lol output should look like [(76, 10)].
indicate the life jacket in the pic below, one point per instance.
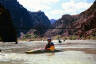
[(50, 47)]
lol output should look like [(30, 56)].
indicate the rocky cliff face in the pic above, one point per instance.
[(61, 26), (7, 30), (25, 20), (83, 24), (87, 21)]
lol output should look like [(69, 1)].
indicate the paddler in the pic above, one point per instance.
[(50, 45)]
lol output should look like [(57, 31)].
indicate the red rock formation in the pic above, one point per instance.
[(87, 21), (83, 24)]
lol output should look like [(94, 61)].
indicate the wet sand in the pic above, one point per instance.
[(73, 52)]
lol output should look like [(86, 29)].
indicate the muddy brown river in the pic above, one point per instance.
[(73, 52)]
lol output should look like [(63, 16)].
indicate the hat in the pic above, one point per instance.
[(49, 38)]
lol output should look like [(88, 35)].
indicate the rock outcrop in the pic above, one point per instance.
[(87, 22), (7, 30), (25, 20), (61, 26)]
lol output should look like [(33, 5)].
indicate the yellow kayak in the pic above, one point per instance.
[(40, 51)]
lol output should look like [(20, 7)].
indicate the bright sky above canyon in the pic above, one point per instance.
[(54, 9)]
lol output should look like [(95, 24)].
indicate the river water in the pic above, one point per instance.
[(64, 57)]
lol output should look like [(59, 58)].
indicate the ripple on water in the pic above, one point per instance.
[(66, 57)]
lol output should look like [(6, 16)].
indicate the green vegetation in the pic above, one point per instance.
[(91, 37), (31, 37), (73, 37), (28, 36)]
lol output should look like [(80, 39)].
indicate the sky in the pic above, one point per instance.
[(54, 9)]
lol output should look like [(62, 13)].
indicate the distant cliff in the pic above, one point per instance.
[(52, 21), (83, 24), (25, 20), (61, 26)]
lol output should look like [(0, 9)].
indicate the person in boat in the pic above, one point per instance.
[(59, 40), (50, 46)]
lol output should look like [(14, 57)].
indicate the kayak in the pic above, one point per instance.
[(41, 51)]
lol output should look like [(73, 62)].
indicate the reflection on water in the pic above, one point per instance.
[(66, 57)]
